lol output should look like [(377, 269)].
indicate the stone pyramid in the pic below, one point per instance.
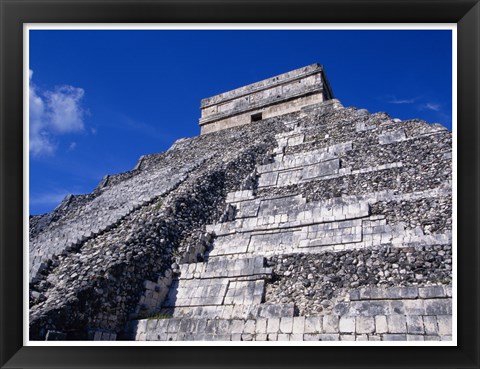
[(290, 218)]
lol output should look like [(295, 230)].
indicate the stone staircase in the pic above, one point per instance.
[(104, 212), (223, 297)]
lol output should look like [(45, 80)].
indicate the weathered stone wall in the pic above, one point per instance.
[(275, 96), (97, 285), (266, 111)]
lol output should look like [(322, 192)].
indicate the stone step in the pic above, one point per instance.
[(333, 236), (225, 268), (373, 313), (214, 291), (285, 224)]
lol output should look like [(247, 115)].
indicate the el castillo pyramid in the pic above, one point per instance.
[(289, 218)]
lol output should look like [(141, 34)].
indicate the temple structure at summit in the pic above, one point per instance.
[(282, 94)]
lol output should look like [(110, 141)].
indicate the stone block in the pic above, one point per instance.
[(173, 326), (347, 324), (223, 327), (392, 136), (369, 308), (185, 326), (260, 337), (444, 324), (283, 337), (365, 324), (273, 325), (361, 337), (201, 324), (141, 336), (438, 307), (397, 324), (298, 325), (152, 336), (237, 326), (286, 325), (211, 327), (261, 326), (381, 324), (408, 292), (142, 325), (249, 326), (397, 307), (330, 324), (430, 324), (162, 325), (414, 307), (313, 324), (347, 337), (415, 324), (163, 336), (276, 310), (430, 292)]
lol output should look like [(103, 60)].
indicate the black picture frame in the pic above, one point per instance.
[(14, 13)]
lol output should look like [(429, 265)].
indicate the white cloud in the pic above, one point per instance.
[(65, 114), (40, 142), (53, 113), (72, 146)]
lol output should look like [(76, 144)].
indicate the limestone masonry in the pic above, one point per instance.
[(290, 218), (279, 95)]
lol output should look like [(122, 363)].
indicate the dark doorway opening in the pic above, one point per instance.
[(256, 117)]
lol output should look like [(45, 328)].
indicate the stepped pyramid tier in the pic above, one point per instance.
[(321, 223)]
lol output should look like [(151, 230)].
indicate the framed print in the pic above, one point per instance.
[(295, 226)]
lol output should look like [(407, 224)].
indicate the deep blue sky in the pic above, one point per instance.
[(101, 99)]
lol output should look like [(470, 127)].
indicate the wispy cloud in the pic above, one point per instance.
[(401, 101), (53, 113), (432, 106), (72, 146), (418, 102)]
